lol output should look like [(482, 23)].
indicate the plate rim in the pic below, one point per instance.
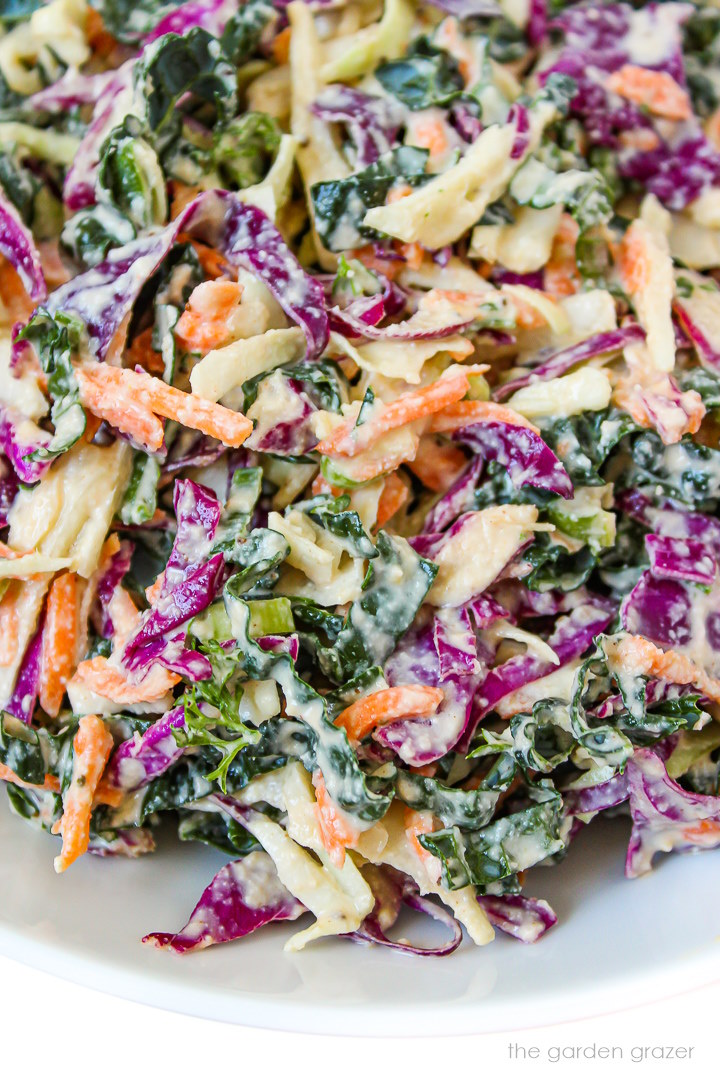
[(528, 1011)]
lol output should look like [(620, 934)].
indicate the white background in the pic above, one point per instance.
[(52, 1028)]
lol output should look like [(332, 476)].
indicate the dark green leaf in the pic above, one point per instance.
[(506, 847), (341, 205), (54, 340), (140, 500), (245, 149), (396, 584), (426, 76)]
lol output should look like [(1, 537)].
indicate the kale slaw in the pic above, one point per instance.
[(359, 471)]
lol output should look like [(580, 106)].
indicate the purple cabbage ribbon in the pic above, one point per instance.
[(558, 363), (665, 817), (144, 757), (18, 247), (104, 296), (522, 917), (522, 452), (230, 907)]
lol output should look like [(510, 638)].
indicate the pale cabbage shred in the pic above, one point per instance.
[(60, 523)]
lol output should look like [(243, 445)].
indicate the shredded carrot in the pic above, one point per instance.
[(561, 276), (413, 254), (348, 440), (99, 39), (655, 406), (702, 832), (394, 495), (656, 91), (203, 324), (54, 270), (142, 353), (379, 464), (9, 624), (436, 464), (418, 822), (644, 139), (15, 299), (395, 703), (371, 260), (423, 770), (6, 552), (153, 591), (51, 782), (336, 829), (281, 46), (181, 196), (100, 677), (130, 400), (320, 486), (712, 129), (107, 795), (463, 413), (638, 654), (634, 266), (431, 135), (92, 747), (212, 261), (398, 192), (59, 641)]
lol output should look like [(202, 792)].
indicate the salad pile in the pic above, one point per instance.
[(360, 471)]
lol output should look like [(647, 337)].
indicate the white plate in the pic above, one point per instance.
[(618, 943)]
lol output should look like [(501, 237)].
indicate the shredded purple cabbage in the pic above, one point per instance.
[(18, 247), (104, 296), (558, 363), (143, 758), (522, 917), (242, 897), (665, 816)]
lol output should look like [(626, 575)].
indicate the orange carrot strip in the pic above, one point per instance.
[(203, 324), (152, 593), (431, 135), (348, 440), (320, 486), (639, 654), (181, 196), (336, 829), (92, 747), (51, 782), (142, 353), (561, 276), (463, 413), (384, 463), (280, 47), (371, 260), (418, 822), (14, 295), (394, 494), (101, 678), (712, 129), (130, 399), (59, 642), (395, 703), (413, 254), (634, 266), (655, 90), (9, 624), (99, 39), (108, 397), (106, 795), (437, 465), (212, 261)]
